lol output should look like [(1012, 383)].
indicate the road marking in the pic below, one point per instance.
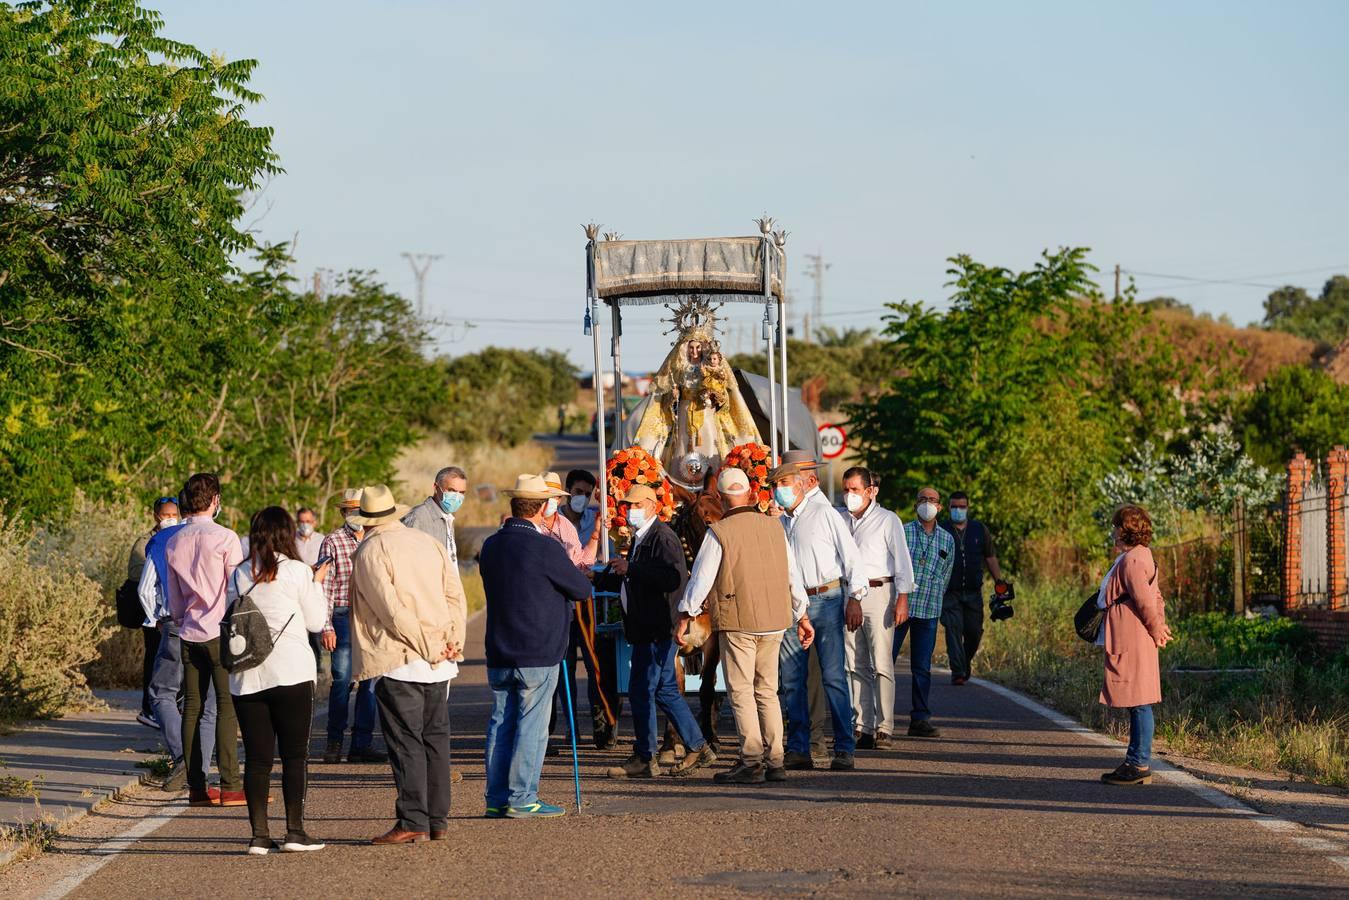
[(108, 850), (1312, 843), (1210, 794)]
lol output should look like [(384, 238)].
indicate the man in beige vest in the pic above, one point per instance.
[(747, 576)]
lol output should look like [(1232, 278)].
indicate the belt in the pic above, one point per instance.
[(824, 588), (881, 582)]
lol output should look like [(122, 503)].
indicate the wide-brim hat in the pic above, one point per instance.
[(785, 470), (533, 487), (803, 458), (377, 506), (351, 499), (554, 481)]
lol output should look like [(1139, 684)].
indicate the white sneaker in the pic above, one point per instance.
[(259, 848), (300, 843)]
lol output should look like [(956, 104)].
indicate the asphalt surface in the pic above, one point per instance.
[(1004, 803)]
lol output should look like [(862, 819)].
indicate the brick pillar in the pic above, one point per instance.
[(1292, 530), (1337, 469)]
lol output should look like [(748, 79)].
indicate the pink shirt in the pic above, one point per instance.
[(565, 532), (201, 555)]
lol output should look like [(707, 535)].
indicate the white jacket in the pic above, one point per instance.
[(293, 604)]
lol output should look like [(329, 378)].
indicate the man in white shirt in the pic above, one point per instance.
[(746, 577), (885, 560), (831, 569), (307, 538), (435, 514)]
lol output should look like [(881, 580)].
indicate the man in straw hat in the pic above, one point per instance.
[(339, 546), (530, 583), (831, 568), (650, 582), (408, 621), (746, 574)]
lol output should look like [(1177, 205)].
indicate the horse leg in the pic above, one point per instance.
[(671, 748), (709, 708)]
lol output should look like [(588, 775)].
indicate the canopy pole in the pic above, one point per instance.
[(769, 330), (780, 241), (593, 317), (615, 339)]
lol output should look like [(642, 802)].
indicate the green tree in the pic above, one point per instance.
[(1324, 319), (851, 364), (1024, 393), (1294, 408), (501, 395), (124, 160)]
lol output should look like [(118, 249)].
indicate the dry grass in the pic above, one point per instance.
[(485, 464)]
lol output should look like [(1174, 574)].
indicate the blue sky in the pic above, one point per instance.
[(1199, 139)]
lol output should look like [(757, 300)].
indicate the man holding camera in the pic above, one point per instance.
[(962, 611)]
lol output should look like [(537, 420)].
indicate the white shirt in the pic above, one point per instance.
[(449, 538), (704, 575), (293, 604), (882, 546), (151, 594), (420, 671), (824, 547), (308, 548), (637, 539)]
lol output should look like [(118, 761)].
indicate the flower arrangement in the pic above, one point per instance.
[(752, 459), (626, 468)]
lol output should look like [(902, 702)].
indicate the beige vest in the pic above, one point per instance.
[(752, 591)]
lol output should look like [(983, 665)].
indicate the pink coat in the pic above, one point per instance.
[(1132, 671)]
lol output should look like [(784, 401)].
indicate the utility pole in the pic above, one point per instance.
[(817, 269), (1116, 281), (421, 264)]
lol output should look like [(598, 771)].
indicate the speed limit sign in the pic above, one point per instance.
[(833, 441)]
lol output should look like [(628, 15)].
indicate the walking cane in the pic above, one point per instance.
[(571, 722)]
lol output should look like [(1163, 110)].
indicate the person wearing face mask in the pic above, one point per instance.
[(580, 507), (889, 570), (307, 539), (747, 576), (200, 558), (831, 569), (932, 550), (561, 528), (435, 515), (338, 548), (650, 581), (166, 516), (962, 614)]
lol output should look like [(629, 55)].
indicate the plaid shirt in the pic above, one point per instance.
[(933, 556), (339, 545)]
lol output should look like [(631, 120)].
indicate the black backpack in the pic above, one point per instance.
[(130, 613), (246, 640)]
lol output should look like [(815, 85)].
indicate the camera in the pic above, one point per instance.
[(1000, 607)]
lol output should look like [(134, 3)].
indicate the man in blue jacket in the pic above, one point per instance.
[(530, 584)]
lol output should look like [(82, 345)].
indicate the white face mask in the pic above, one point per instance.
[(637, 517), (168, 523), (306, 529), (927, 511), (550, 508), (579, 503), (855, 502)]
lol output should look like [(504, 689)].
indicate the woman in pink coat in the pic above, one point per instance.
[(1135, 627)]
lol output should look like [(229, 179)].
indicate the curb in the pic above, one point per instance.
[(73, 816), (1209, 794)]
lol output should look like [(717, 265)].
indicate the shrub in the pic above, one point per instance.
[(52, 618)]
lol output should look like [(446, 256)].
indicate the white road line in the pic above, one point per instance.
[(108, 850), (1208, 793)]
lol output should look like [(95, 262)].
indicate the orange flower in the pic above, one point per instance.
[(761, 471), (624, 484), (764, 496)]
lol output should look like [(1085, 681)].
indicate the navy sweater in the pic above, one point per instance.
[(529, 582)]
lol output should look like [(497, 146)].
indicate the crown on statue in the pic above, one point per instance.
[(694, 315)]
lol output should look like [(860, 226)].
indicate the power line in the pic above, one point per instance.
[(1245, 281)]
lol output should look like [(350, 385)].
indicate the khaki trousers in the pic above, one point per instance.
[(871, 666), (751, 662)]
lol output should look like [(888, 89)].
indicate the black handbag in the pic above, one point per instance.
[(1089, 619), (130, 613)]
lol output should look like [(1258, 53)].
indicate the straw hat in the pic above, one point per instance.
[(377, 506), (640, 492), (533, 487), (803, 458), (554, 481), (351, 499), (732, 481), (786, 470)]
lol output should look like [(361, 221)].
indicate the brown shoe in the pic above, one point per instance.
[(210, 798), (233, 798), (697, 760), (456, 776), (440, 834), (396, 835)]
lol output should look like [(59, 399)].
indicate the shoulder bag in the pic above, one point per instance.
[(246, 640)]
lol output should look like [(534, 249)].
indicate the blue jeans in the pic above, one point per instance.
[(826, 614), (166, 690), (924, 641), (654, 684), (517, 734), (339, 695), (1141, 727)]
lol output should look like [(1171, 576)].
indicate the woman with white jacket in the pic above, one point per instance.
[(274, 701)]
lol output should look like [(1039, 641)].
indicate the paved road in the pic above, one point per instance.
[(1004, 803)]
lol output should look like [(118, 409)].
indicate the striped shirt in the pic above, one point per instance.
[(933, 556)]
